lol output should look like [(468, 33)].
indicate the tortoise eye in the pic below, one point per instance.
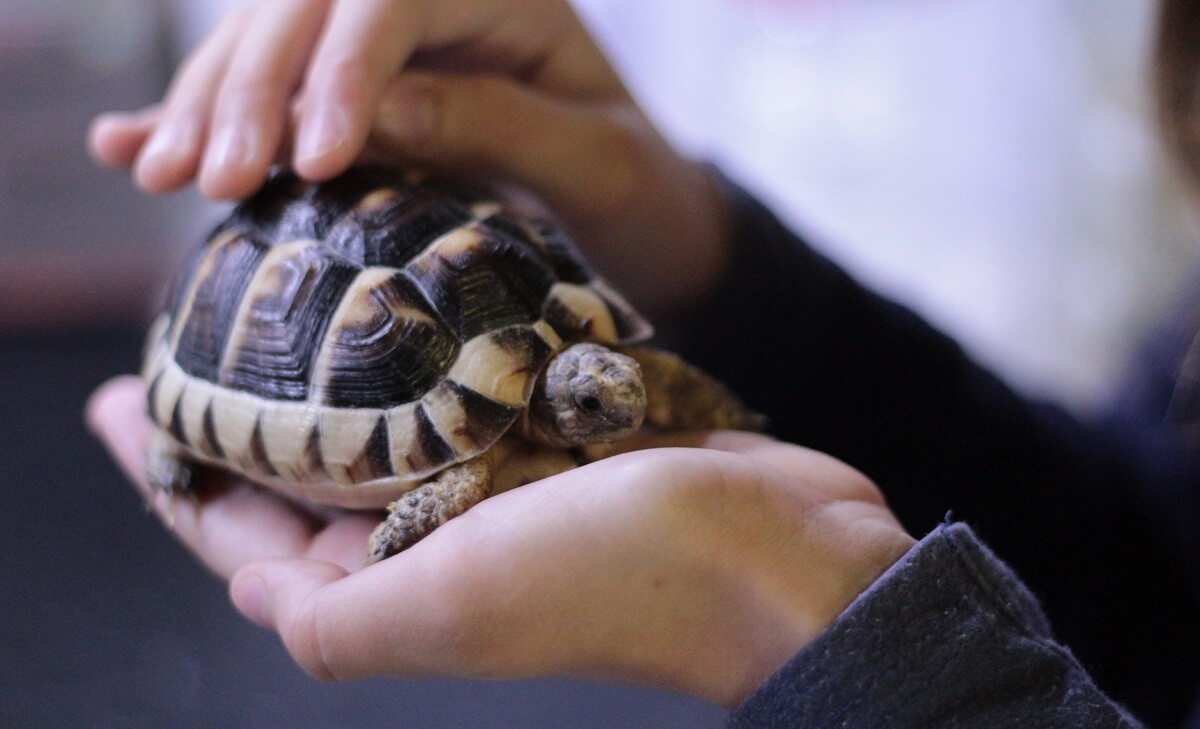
[(589, 403)]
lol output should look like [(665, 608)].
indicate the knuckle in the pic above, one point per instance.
[(250, 87)]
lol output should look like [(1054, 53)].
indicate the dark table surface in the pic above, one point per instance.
[(105, 621)]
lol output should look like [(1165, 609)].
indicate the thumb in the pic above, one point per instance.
[(282, 595), (400, 617), (575, 155), (651, 220)]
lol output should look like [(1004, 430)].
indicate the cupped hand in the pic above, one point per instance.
[(512, 91), (699, 564)]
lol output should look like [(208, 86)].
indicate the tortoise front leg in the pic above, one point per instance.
[(682, 397), (508, 464), (414, 515)]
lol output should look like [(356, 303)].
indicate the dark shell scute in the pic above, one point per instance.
[(176, 426), (397, 230), (566, 323), (381, 359), (313, 455), (152, 398), (496, 282), (485, 420), (285, 323), (218, 295), (287, 208), (630, 326), (432, 450), (211, 445), (182, 284), (281, 211), (568, 263), (375, 462), (556, 246), (525, 344), (258, 451)]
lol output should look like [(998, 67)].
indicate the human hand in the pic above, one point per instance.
[(696, 570), (522, 95)]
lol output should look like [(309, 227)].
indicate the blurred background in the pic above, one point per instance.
[(992, 163)]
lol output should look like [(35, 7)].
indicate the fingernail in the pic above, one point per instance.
[(406, 116), (231, 147), (249, 595), (167, 141), (322, 133)]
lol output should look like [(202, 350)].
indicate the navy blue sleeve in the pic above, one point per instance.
[(947, 637), (1094, 516)]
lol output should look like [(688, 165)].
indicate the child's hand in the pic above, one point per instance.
[(514, 90), (700, 568), (325, 65)]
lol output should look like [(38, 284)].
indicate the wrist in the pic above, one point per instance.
[(789, 566)]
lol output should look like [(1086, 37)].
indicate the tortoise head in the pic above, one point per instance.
[(587, 394)]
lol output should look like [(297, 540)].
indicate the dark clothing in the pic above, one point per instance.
[(1098, 518), (947, 637)]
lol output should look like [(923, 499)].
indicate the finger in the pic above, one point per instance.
[(367, 41), (115, 139), (252, 103), (171, 155), (234, 524), (335, 626), (364, 43), (280, 595), (577, 158), (116, 413)]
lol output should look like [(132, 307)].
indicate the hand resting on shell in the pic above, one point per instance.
[(515, 92)]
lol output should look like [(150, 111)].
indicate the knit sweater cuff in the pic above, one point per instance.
[(947, 637)]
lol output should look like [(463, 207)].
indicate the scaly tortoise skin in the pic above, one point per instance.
[(383, 340)]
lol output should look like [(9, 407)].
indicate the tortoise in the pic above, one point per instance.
[(384, 339)]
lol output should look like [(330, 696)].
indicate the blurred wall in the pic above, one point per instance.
[(78, 243), (989, 162)]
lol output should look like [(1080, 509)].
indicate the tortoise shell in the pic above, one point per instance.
[(346, 340)]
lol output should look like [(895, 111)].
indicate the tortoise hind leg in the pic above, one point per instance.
[(682, 397), (168, 469)]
